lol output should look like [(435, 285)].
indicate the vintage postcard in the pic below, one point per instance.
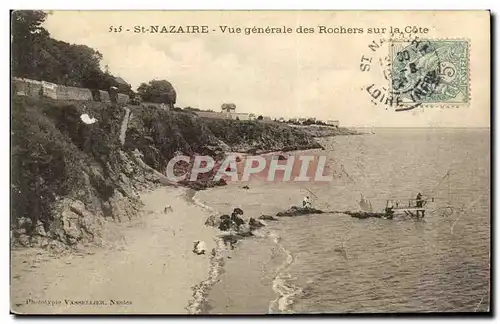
[(250, 162)]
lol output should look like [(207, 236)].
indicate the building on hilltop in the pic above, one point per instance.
[(241, 116), (228, 110), (211, 114), (332, 123), (228, 107)]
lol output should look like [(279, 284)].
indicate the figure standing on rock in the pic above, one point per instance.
[(306, 203), (237, 220), (232, 222)]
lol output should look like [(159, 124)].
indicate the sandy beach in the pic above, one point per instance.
[(147, 266)]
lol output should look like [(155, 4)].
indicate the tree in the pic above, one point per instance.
[(36, 55), (158, 91), (28, 38), (260, 117)]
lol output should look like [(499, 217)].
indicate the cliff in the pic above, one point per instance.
[(260, 137), (326, 131), (69, 177)]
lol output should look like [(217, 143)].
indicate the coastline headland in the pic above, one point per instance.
[(84, 179)]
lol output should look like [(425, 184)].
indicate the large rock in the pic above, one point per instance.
[(268, 217), (39, 241), (244, 230), (24, 223), (39, 229), (70, 226), (255, 224), (74, 223), (24, 240), (213, 220), (299, 211), (122, 207), (77, 207)]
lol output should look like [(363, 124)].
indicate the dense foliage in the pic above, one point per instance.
[(35, 55), (158, 91), (53, 152)]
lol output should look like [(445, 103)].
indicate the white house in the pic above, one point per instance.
[(332, 123), (240, 116)]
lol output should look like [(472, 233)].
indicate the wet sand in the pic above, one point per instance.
[(147, 268)]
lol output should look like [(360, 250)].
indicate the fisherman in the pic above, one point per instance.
[(389, 210), (419, 200), (420, 204), (237, 221), (306, 203)]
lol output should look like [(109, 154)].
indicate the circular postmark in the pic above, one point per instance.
[(405, 73), (415, 72), (410, 69)]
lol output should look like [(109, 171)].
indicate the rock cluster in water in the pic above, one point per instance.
[(299, 211), (363, 215), (234, 226)]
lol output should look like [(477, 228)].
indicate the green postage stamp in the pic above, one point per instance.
[(430, 71)]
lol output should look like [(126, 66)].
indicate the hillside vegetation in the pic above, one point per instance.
[(260, 137), (68, 176)]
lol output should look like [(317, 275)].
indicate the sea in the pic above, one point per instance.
[(334, 263)]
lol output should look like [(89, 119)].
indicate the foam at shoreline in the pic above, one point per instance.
[(285, 291), (198, 304)]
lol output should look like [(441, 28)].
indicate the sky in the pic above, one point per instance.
[(278, 75)]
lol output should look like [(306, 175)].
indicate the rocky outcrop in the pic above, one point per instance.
[(327, 131), (69, 177), (255, 224), (234, 228), (255, 137), (299, 211), (363, 215), (268, 218)]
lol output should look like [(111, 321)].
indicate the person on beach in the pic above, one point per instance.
[(389, 210), (237, 221), (419, 200), (199, 247), (306, 203), (225, 223), (420, 204)]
